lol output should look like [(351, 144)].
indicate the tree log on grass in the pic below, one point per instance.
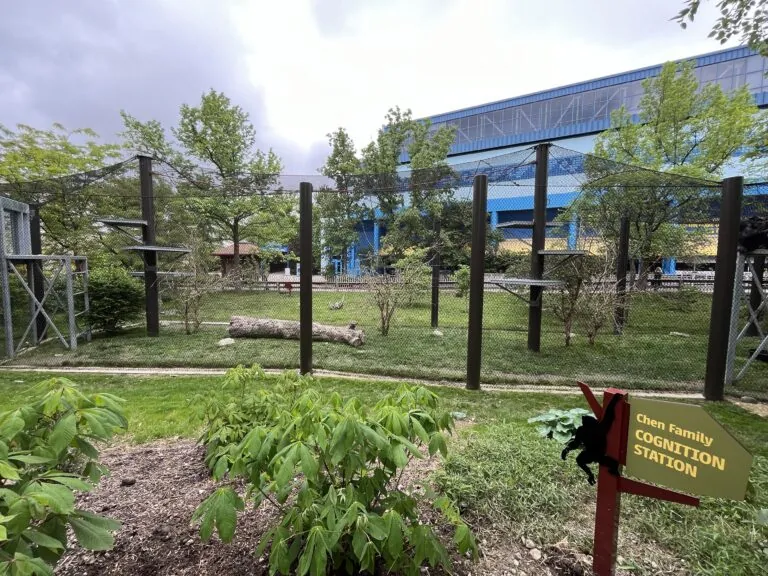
[(248, 327)]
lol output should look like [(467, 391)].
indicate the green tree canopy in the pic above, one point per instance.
[(226, 180), (681, 142), (745, 18)]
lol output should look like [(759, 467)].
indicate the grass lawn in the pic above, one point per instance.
[(502, 472), (647, 354)]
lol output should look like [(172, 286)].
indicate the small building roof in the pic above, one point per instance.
[(246, 249)]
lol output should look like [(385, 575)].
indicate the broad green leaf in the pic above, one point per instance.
[(394, 542), (69, 480), (24, 565), (219, 510), (437, 442), (86, 448), (41, 539), (29, 458), (309, 465), (376, 527), (10, 425), (58, 498), (62, 434), (3, 533), (8, 471), (90, 535), (220, 469)]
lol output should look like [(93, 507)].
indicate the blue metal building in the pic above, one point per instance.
[(569, 116)]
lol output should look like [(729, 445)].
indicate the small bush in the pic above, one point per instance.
[(559, 424), (115, 298), (332, 468), (461, 276), (46, 453)]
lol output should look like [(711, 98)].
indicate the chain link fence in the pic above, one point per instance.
[(391, 256)]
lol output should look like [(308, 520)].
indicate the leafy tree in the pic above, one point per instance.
[(745, 18), (341, 210), (36, 166), (115, 298), (225, 178), (667, 162), (47, 453), (332, 469)]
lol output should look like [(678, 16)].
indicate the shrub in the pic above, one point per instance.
[(46, 453), (332, 468), (461, 276), (115, 298), (559, 424)]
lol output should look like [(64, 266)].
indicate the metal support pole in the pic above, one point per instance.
[(151, 295), (722, 295), (477, 281), (305, 279), (436, 276), (38, 289), (71, 318), (755, 298), (86, 301), (537, 244), (622, 262), (7, 311)]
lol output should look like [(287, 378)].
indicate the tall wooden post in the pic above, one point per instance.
[(622, 261), (477, 281), (722, 294), (151, 294), (436, 276), (305, 277), (37, 284), (537, 244)]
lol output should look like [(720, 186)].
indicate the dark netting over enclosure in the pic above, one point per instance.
[(620, 283)]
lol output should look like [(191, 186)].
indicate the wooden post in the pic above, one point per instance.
[(722, 294), (477, 281), (436, 276), (305, 277), (537, 244), (151, 293), (38, 285), (622, 261)]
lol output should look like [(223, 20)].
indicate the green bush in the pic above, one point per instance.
[(559, 424), (46, 453), (461, 277), (115, 298), (332, 468)]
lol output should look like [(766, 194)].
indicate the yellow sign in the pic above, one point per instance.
[(681, 447)]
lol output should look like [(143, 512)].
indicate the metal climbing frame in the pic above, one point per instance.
[(16, 251), (754, 306)]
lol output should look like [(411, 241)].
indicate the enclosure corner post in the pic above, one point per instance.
[(622, 262), (436, 276), (152, 300), (305, 279), (36, 245), (477, 281), (722, 294), (538, 241), (72, 319)]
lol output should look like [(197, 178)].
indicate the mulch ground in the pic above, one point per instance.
[(158, 539)]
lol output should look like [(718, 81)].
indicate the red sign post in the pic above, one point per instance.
[(610, 487)]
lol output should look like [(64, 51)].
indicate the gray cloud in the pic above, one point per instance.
[(79, 62)]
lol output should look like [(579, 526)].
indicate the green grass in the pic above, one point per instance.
[(647, 355), (501, 471)]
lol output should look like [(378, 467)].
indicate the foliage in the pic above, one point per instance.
[(685, 136), (196, 281), (225, 178), (115, 297), (389, 292), (461, 277), (46, 454), (332, 469), (558, 424), (748, 18)]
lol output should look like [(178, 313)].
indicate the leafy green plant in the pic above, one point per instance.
[(47, 453), (115, 298), (461, 277), (333, 469), (558, 424)]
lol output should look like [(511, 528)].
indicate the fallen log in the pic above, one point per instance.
[(248, 327)]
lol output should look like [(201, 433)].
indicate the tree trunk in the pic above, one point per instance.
[(236, 253), (247, 327)]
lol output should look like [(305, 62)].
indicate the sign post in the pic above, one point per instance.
[(670, 443)]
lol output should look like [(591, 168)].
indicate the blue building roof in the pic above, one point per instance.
[(585, 107)]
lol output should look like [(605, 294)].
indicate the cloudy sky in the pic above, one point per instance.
[(301, 68)]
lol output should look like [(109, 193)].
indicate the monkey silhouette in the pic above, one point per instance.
[(753, 233), (593, 436)]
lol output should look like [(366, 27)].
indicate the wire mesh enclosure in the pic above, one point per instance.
[(614, 264)]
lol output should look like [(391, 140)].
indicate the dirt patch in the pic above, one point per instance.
[(755, 408), (158, 539)]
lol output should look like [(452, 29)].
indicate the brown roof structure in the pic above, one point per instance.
[(246, 249)]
